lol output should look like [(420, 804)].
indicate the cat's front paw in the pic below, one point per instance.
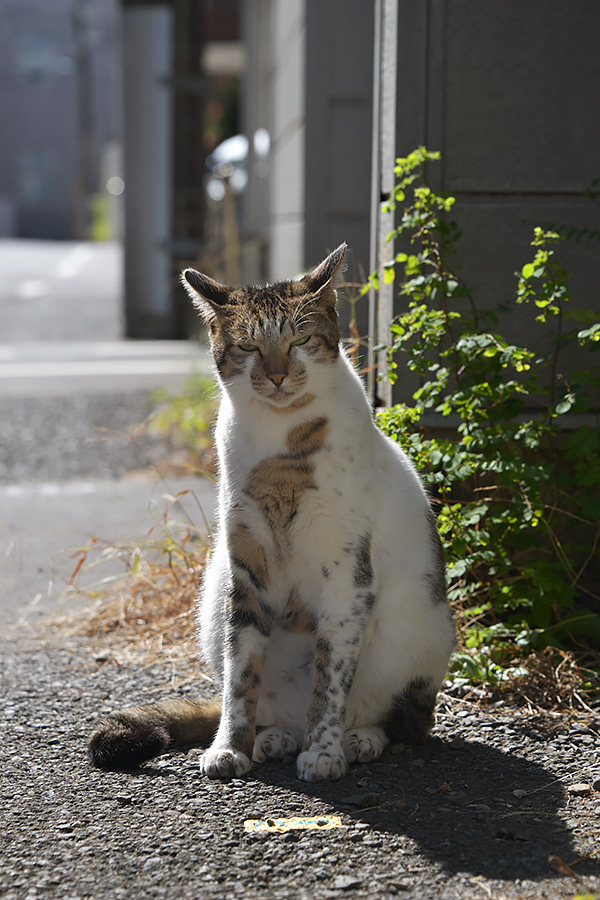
[(321, 765), (224, 762), (273, 743)]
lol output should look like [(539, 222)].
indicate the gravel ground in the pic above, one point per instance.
[(475, 813)]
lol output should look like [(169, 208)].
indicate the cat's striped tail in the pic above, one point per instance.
[(131, 736)]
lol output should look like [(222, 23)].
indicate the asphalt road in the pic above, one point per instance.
[(60, 291)]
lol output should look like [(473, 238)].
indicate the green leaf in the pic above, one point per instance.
[(564, 406), (589, 334)]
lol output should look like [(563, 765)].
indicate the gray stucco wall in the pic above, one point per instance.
[(508, 92), (320, 82), (339, 78)]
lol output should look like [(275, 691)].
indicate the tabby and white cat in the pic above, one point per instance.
[(323, 613)]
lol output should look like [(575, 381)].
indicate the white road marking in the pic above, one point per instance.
[(71, 264), (32, 288), (49, 489), (96, 367)]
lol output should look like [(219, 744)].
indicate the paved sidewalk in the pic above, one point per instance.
[(44, 526)]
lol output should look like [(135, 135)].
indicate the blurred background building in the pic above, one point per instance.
[(249, 137), (59, 113)]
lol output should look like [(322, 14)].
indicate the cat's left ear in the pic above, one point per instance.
[(208, 295), (328, 273)]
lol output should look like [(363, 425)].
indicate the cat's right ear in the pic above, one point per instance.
[(207, 295)]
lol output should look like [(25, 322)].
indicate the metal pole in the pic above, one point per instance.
[(384, 156), (375, 192), (87, 180)]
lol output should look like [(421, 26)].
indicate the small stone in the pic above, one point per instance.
[(361, 801), (151, 864), (481, 812), (580, 789), (65, 828), (397, 748), (103, 656), (290, 837), (457, 744), (347, 882), (596, 783), (519, 793)]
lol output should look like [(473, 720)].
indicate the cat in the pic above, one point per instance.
[(323, 613)]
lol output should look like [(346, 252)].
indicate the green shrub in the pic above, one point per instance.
[(512, 459)]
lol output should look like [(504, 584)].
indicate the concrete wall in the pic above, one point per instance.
[(320, 83), (339, 96), (507, 91)]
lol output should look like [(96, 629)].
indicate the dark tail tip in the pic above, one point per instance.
[(411, 716), (117, 748)]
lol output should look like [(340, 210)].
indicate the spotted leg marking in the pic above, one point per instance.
[(338, 646), (248, 626)]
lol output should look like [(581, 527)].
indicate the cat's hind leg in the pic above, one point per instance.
[(363, 745), (274, 743)]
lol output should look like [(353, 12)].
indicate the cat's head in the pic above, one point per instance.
[(272, 341)]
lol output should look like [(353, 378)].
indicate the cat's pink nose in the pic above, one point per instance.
[(276, 377)]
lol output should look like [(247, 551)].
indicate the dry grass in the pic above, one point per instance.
[(554, 680), (150, 609)]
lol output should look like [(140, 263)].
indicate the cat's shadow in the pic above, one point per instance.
[(474, 809)]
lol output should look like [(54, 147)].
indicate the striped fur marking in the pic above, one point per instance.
[(296, 618), (278, 483), (246, 611), (248, 554), (307, 438), (302, 402)]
